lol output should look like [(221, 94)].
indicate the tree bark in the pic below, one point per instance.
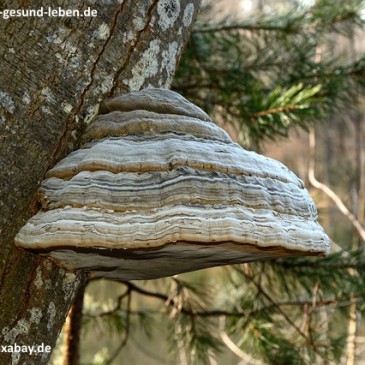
[(55, 71), (72, 330)]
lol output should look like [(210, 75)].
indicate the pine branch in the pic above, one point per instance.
[(268, 307), (280, 109), (252, 26), (263, 292), (234, 348), (126, 332), (239, 65), (338, 302)]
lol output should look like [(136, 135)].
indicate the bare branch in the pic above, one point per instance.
[(342, 301), (329, 192)]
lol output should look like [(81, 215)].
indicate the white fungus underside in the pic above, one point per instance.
[(166, 261)]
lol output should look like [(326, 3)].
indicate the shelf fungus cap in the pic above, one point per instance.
[(158, 189)]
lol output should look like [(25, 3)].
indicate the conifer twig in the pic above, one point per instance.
[(234, 348), (126, 334)]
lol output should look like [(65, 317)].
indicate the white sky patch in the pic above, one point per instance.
[(307, 3), (362, 13), (246, 5)]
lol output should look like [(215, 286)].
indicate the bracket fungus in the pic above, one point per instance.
[(157, 189)]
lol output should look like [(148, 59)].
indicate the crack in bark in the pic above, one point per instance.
[(70, 120), (26, 298), (98, 57), (76, 110), (61, 141)]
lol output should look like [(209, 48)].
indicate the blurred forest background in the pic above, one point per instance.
[(285, 78)]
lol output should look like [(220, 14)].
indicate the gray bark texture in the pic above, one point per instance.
[(55, 71)]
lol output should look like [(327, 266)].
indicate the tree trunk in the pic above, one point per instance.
[(54, 73), (72, 330)]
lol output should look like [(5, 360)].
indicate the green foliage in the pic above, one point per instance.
[(266, 342), (266, 74), (341, 274), (284, 311), (193, 334), (281, 109), (286, 307)]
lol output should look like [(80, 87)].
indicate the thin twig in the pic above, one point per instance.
[(246, 27), (126, 333), (281, 109), (343, 301), (293, 26), (329, 192), (116, 308)]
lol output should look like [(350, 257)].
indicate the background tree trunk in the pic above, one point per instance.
[(72, 330), (54, 74)]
